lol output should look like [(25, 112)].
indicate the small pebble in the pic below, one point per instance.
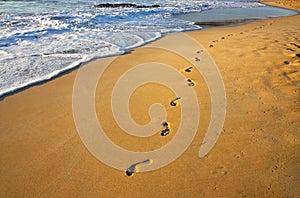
[(286, 62)]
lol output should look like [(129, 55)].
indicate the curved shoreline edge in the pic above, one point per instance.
[(80, 63), (257, 154)]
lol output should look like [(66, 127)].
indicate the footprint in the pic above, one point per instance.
[(188, 69), (290, 49), (294, 44), (190, 83), (291, 46), (165, 124), (175, 101), (132, 169), (129, 172), (165, 132)]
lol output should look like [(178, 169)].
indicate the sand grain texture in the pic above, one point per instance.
[(257, 154)]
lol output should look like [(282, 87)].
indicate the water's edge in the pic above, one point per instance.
[(232, 16), (208, 24)]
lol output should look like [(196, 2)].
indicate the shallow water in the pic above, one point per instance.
[(40, 39), (236, 14)]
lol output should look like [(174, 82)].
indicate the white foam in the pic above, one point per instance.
[(41, 39)]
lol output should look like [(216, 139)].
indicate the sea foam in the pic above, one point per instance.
[(42, 39)]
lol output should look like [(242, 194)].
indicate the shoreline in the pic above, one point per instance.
[(232, 16), (204, 25), (256, 155)]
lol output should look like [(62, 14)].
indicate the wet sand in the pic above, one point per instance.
[(257, 153)]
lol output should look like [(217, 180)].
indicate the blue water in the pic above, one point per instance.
[(235, 14), (43, 38)]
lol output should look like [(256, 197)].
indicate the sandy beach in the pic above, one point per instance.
[(257, 153)]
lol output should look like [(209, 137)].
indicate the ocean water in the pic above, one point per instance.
[(39, 39)]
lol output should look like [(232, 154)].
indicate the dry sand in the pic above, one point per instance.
[(257, 154)]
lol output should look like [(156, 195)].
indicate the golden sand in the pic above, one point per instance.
[(257, 153)]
